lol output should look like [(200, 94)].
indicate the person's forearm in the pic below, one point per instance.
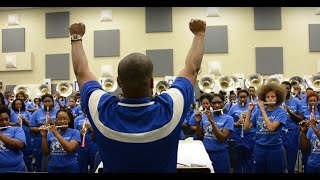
[(194, 59), (195, 54), (11, 143), (79, 60)]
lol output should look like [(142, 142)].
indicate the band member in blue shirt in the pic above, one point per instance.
[(214, 132), (268, 120), (12, 142), (61, 144)]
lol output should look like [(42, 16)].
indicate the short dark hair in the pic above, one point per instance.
[(287, 83), (217, 95), (4, 109), (241, 91), (46, 95), (205, 96)]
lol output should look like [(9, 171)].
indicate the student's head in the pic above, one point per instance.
[(243, 96), (271, 92), (287, 86), (21, 95), (18, 104), (64, 116), (72, 101), (297, 88), (205, 100), (252, 91), (309, 90), (47, 100), (4, 115), (135, 76), (312, 98), (217, 101), (37, 101)]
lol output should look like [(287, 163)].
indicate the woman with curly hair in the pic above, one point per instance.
[(268, 120)]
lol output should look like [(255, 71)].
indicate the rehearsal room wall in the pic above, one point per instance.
[(131, 21)]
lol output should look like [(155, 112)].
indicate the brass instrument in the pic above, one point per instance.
[(109, 84), (42, 90), (206, 84), (297, 81), (226, 83), (21, 89), (162, 86), (315, 82), (237, 83), (254, 80), (273, 79), (64, 89)]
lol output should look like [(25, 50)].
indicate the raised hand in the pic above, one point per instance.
[(197, 25), (77, 28)]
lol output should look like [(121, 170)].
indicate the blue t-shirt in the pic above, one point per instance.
[(263, 136), (78, 124), (78, 110), (38, 118), (138, 135), (295, 106), (314, 158), (235, 112), (58, 156), (10, 159), (210, 141)]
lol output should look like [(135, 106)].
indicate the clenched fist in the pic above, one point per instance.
[(77, 28), (197, 25)]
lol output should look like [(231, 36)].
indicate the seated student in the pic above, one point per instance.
[(12, 142), (61, 144)]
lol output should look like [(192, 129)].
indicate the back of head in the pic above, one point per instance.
[(135, 71)]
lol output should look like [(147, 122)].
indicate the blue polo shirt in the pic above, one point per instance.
[(138, 135)]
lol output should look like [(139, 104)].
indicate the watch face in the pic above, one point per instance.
[(76, 37)]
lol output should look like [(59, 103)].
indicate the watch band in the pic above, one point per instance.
[(76, 37)]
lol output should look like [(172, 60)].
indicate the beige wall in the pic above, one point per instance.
[(131, 21)]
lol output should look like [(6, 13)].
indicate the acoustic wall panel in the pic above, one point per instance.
[(267, 18), (57, 24), (158, 19), (314, 37), (216, 39), (269, 60), (57, 66), (162, 62), (13, 40), (107, 43), (53, 88)]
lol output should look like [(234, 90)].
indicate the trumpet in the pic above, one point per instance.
[(4, 127), (305, 122)]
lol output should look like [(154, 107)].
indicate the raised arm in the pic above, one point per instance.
[(79, 59), (195, 54)]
